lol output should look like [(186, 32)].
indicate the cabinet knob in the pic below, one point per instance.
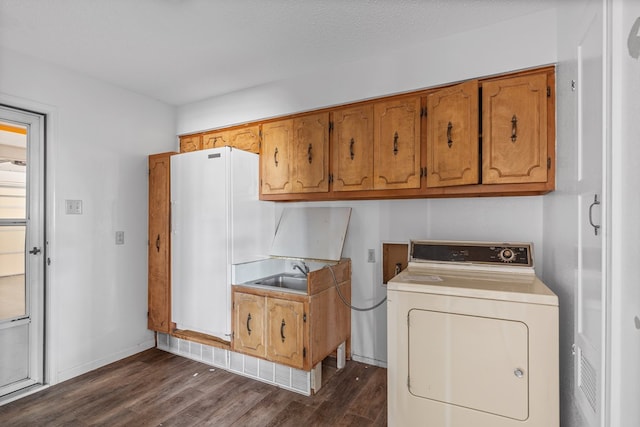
[(518, 373)]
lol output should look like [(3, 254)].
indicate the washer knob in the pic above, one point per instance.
[(507, 255)]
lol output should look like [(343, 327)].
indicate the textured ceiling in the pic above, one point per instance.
[(180, 51)]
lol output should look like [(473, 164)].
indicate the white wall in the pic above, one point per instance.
[(98, 139), (625, 209), (513, 45)]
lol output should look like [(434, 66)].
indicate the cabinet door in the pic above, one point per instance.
[(247, 139), (248, 324), (310, 153), (453, 147), (215, 140), (352, 148), (396, 158), (285, 331), (514, 134), (190, 143), (275, 164), (159, 275)]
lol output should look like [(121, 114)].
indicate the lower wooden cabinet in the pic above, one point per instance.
[(294, 329)]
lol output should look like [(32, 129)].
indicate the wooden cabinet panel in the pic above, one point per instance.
[(248, 324), (453, 147), (275, 164), (396, 157), (159, 252), (190, 143), (352, 148), (310, 153), (285, 329), (514, 135), (247, 139), (215, 140)]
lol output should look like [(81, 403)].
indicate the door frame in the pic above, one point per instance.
[(48, 131)]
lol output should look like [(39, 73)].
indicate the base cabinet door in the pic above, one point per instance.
[(285, 329), (248, 318), (514, 130)]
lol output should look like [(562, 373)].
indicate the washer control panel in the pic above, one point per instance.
[(517, 254)]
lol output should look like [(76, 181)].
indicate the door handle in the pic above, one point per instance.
[(596, 202), (35, 251)]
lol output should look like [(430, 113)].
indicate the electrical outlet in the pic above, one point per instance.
[(119, 237), (371, 255)]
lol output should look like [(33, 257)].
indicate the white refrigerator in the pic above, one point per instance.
[(216, 221)]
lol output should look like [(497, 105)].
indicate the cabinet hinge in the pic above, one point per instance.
[(330, 126), (549, 163), (330, 178), (423, 112), (548, 91), (147, 314), (304, 352), (304, 317)]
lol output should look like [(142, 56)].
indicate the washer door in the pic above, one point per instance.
[(474, 362)]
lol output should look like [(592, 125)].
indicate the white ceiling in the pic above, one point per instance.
[(180, 51)]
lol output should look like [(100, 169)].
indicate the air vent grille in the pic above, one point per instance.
[(588, 380)]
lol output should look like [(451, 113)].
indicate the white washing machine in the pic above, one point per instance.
[(472, 338)]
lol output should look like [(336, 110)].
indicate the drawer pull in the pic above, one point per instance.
[(449, 140), (282, 325), (395, 144), (351, 153), (249, 327), (514, 128), (275, 156), (309, 154)]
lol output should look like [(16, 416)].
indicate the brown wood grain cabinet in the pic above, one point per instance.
[(514, 135), (294, 329), (352, 149), (245, 138), (275, 163), (159, 251), (453, 149), (190, 143), (396, 144), (310, 153)]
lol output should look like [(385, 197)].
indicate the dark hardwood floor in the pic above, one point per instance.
[(156, 388)]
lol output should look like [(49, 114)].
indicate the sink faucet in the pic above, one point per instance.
[(304, 269)]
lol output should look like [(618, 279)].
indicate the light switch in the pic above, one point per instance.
[(73, 207), (119, 237)]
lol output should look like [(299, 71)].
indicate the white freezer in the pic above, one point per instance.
[(216, 221)]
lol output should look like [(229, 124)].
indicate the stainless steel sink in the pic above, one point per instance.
[(296, 282)]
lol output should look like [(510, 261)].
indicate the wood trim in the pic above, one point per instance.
[(201, 338)]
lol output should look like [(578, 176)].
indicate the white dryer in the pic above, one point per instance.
[(472, 338)]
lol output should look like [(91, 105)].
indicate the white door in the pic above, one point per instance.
[(589, 322), (21, 249)]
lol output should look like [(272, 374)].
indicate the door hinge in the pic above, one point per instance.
[(548, 91), (549, 163), (48, 261), (304, 352)]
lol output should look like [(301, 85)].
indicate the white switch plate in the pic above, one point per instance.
[(371, 255), (73, 207), (119, 237)]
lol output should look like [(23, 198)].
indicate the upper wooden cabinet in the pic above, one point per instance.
[(295, 155), (310, 153), (351, 148), (515, 125), (396, 144), (275, 164), (246, 138), (453, 148), (487, 136), (190, 143)]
